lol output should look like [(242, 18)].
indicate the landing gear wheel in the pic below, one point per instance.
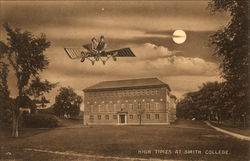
[(97, 58), (104, 62), (82, 60), (93, 62), (114, 58)]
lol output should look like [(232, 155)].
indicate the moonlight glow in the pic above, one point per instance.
[(179, 36)]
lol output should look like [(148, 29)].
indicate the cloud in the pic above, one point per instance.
[(146, 27), (140, 15), (183, 74), (85, 33), (151, 51), (151, 61)]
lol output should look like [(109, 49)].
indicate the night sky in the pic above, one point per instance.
[(145, 27)]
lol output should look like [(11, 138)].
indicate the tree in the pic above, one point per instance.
[(231, 44), (38, 88), (4, 71), (25, 53), (4, 90), (67, 102), (5, 100), (208, 103), (25, 101)]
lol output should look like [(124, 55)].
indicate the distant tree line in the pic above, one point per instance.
[(230, 98), (208, 103)]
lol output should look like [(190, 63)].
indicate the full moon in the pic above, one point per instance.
[(179, 36)]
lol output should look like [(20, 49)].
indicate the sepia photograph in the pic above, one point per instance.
[(125, 80)]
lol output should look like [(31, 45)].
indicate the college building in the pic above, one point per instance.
[(129, 102)]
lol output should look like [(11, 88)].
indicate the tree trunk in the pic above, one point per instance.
[(218, 119), (15, 124)]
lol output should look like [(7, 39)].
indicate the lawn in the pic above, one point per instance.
[(130, 141)]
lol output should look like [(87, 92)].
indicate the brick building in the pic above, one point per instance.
[(135, 101)]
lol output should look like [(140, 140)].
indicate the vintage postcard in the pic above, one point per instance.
[(124, 80)]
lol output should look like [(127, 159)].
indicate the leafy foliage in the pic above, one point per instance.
[(208, 103), (6, 111), (4, 91), (25, 102), (67, 102), (37, 87), (231, 44), (5, 101), (25, 53)]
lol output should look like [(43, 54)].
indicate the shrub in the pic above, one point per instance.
[(40, 121), (49, 110), (6, 117)]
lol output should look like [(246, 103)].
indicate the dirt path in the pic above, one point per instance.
[(238, 136), (88, 157)]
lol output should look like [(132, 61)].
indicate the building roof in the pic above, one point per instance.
[(127, 84)]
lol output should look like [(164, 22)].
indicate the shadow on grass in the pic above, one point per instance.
[(5, 134)]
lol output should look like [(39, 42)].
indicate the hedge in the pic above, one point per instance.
[(40, 121)]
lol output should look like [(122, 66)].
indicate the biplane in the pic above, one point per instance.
[(95, 56)]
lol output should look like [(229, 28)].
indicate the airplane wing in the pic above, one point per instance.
[(125, 52), (76, 53)]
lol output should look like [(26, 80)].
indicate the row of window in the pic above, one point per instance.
[(139, 106), (124, 93), (148, 116), (125, 101)]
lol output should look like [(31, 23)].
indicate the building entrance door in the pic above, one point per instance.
[(122, 119)]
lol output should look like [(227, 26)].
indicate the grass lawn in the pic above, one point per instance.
[(129, 141), (63, 122)]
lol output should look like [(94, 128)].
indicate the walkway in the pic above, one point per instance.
[(238, 136), (97, 157)]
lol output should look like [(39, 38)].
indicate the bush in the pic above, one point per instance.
[(40, 121), (49, 110), (6, 117)]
